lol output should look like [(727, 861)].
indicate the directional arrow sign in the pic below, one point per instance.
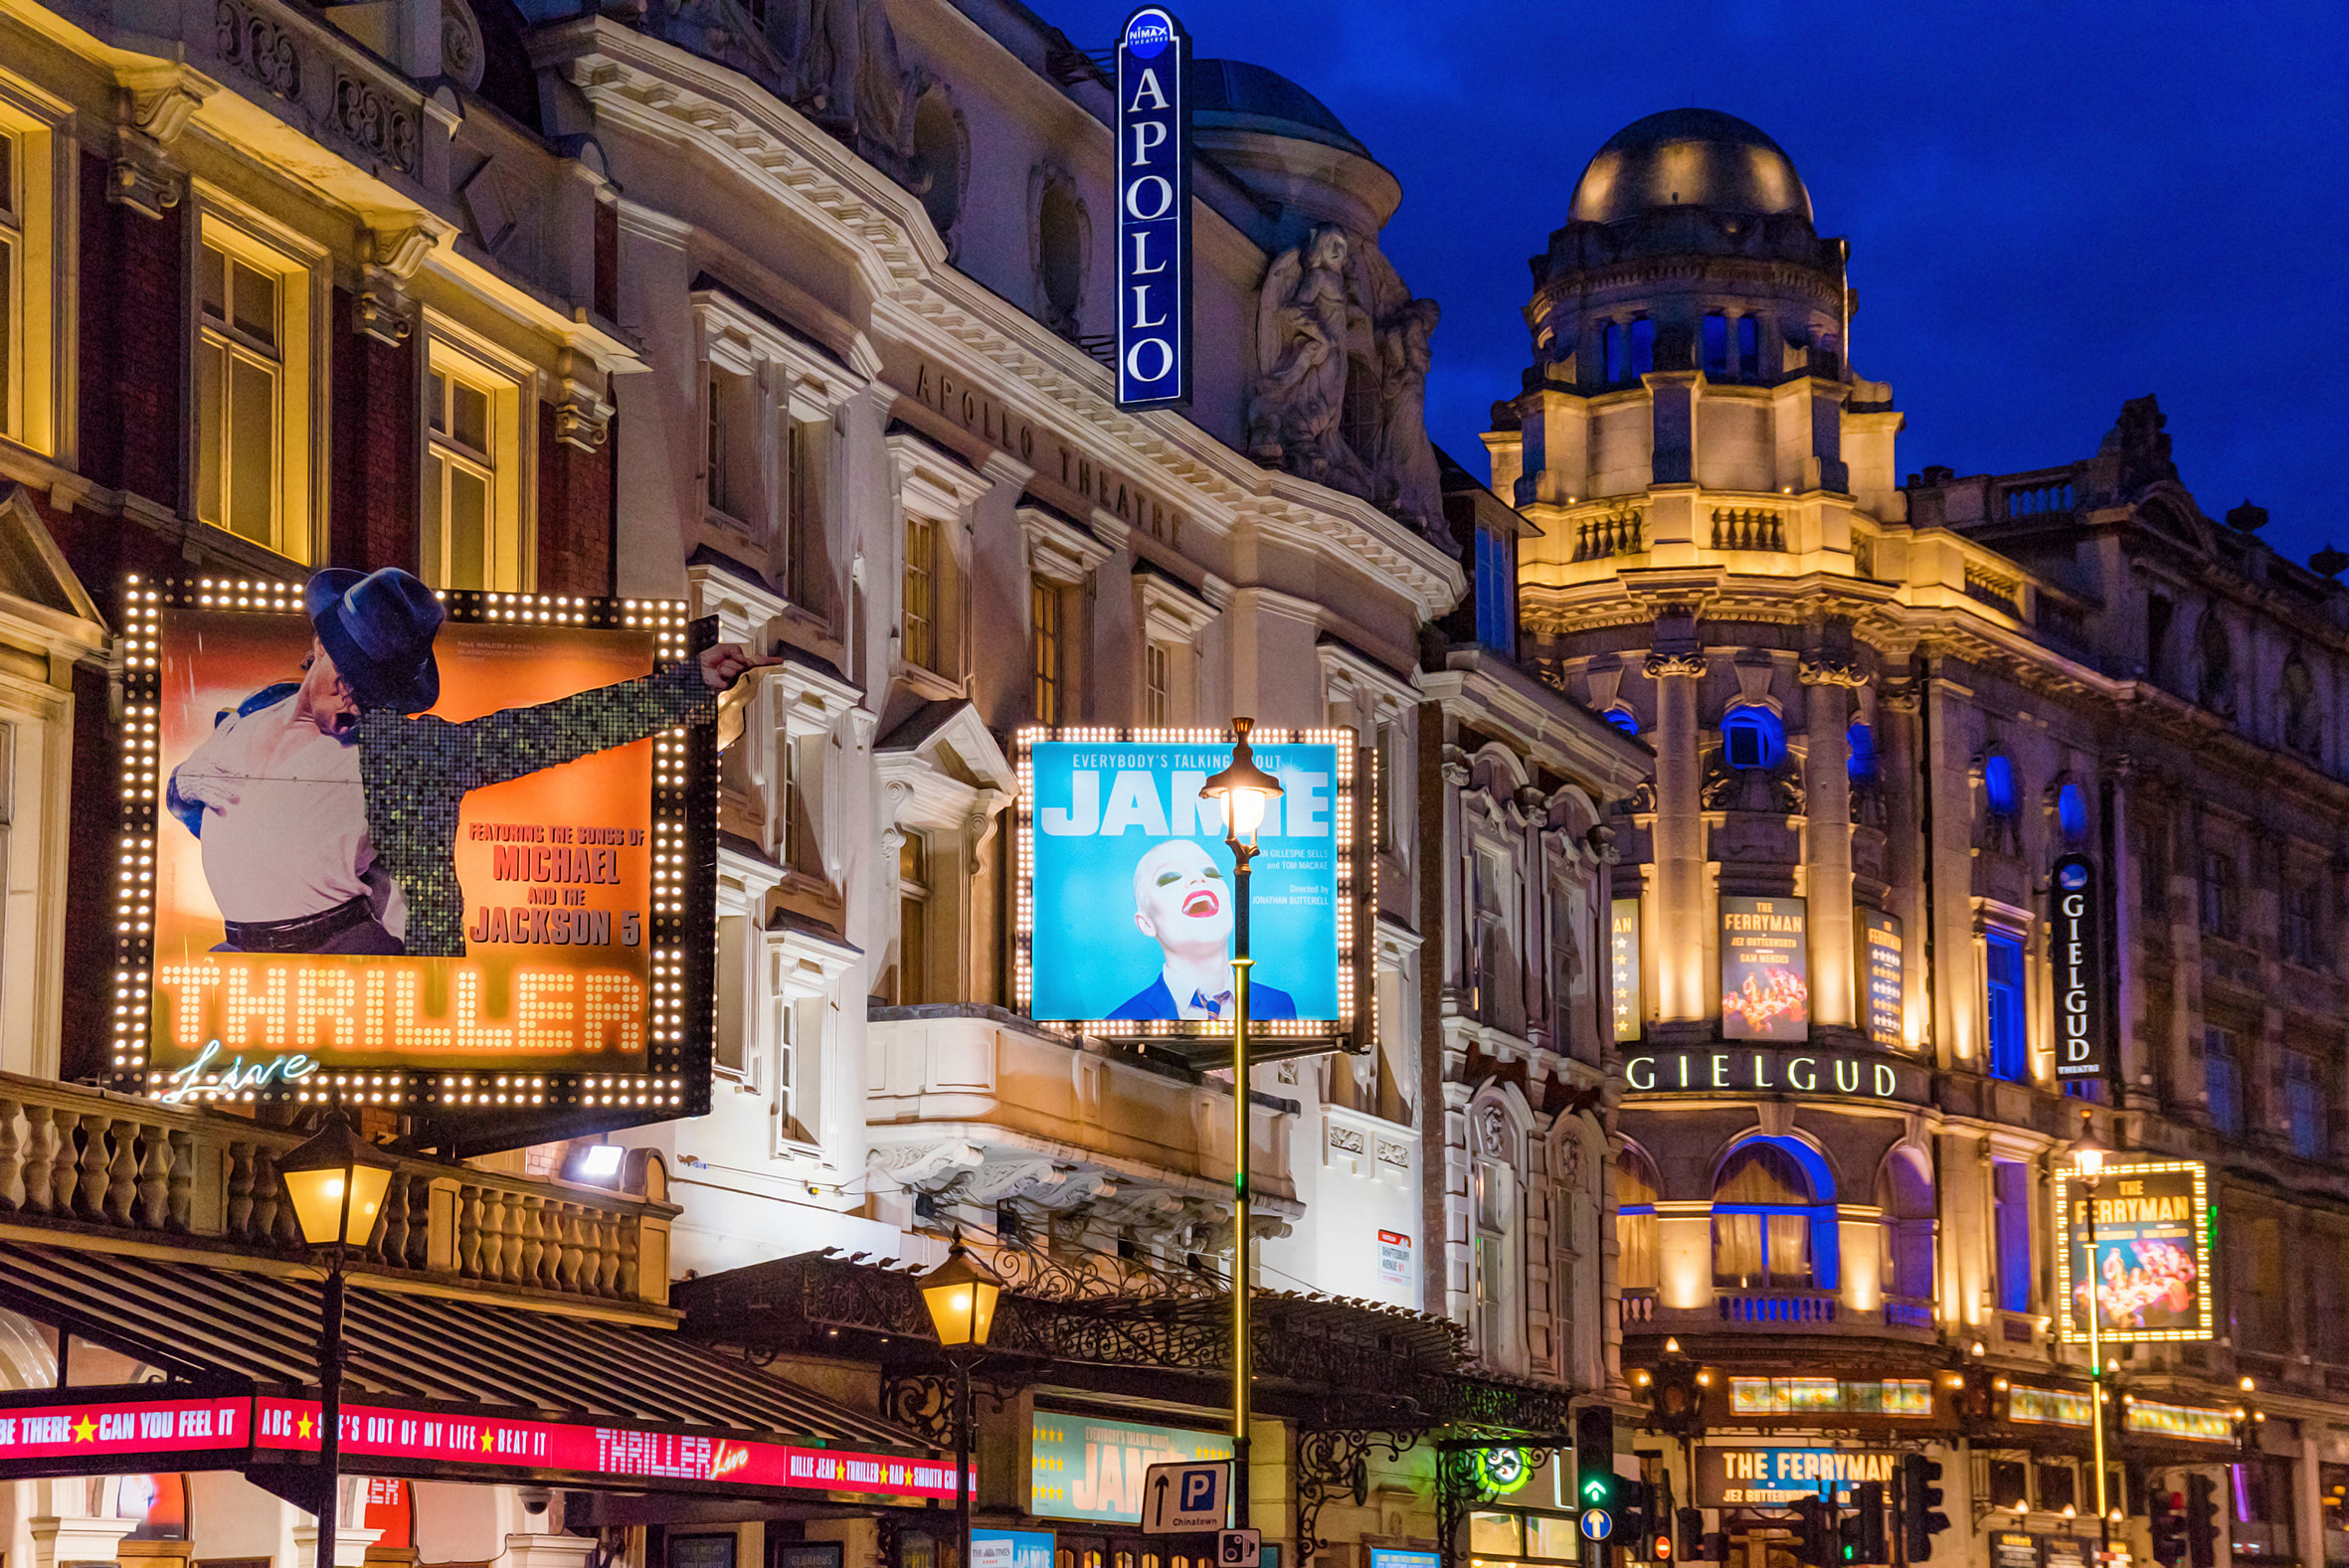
[(1597, 1523), (1594, 1491), (1181, 1500)]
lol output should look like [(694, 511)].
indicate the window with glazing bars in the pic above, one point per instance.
[(1045, 649), (921, 592)]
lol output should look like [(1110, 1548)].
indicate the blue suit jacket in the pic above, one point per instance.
[(1155, 1001)]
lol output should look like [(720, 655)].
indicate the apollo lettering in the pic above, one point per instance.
[(1153, 247)]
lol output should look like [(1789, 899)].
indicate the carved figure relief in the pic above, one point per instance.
[(1341, 394)]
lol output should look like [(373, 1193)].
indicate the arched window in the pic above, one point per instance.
[(2072, 813), (1636, 1191), (1904, 1191), (1752, 737), (1766, 1199), (1860, 751), (1643, 346), (1623, 718), (942, 155), (1615, 352), (1998, 784), (1749, 346)]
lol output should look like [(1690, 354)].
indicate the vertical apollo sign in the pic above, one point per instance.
[(2076, 951), (1153, 211)]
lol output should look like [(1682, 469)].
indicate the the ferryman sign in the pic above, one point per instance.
[(1153, 211)]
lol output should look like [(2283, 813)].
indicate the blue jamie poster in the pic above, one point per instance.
[(1131, 890)]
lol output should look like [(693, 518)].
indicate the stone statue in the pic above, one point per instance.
[(1405, 460), (2140, 439), (1300, 329), (1331, 309), (849, 76)]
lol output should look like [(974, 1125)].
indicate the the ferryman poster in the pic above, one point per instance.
[(1133, 900), (1765, 968)]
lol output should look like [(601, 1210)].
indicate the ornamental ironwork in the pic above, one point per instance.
[(378, 124), (1334, 1461)]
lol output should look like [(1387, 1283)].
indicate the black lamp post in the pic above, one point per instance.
[(337, 1181), (960, 1295), (1246, 792), (2087, 1163)]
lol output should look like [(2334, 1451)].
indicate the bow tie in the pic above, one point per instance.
[(1215, 1004)]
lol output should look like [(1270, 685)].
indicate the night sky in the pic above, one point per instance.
[(2052, 207)]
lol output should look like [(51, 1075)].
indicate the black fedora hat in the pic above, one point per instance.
[(378, 626)]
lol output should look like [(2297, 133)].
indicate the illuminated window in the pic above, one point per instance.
[(240, 392), (921, 592), (1761, 1220), (1047, 651), (730, 1053), (2072, 813), (716, 443), (1636, 1191), (29, 263), (1861, 760), (1752, 737), (13, 256), (1998, 784), (2004, 1013), (1749, 346), (913, 919), (2010, 1226), (1643, 346), (1495, 592), (1158, 685), (1615, 347), (1716, 344), (1623, 718)]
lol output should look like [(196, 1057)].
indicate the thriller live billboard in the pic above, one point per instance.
[(474, 887)]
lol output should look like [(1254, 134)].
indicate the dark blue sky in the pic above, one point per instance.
[(2053, 207)]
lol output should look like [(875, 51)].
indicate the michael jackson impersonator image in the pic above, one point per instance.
[(328, 808)]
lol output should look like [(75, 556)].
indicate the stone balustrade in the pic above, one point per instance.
[(86, 1158)]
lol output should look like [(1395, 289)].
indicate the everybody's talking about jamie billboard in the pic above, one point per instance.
[(444, 853), (1128, 894)]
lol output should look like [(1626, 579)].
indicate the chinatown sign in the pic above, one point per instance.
[(107, 1431), (1748, 1070)]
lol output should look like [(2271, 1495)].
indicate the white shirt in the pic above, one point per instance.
[(294, 843)]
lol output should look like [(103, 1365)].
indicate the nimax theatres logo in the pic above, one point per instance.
[(1149, 31)]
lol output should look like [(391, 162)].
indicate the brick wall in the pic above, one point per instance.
[(573, 512), (377, 468), (133, 331)]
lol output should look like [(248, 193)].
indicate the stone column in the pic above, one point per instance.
[(1827, 796), (1679, 926), (1959, 1032), (1896, 719), (59, 1540)]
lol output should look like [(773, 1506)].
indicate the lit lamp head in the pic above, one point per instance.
[(1243, 789), (960, 1295), (337, 1181)]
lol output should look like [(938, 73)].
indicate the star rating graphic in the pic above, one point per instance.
[(486, 1440), (302, 1424), (84, 1430)]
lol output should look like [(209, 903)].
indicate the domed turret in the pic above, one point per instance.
[(1689, 158), (1283, 143)]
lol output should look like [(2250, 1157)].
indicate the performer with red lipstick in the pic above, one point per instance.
[(1182, 902)]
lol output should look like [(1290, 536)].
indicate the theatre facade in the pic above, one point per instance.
[(1906, 730)]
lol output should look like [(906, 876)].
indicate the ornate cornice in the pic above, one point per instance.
[(1690, 665)]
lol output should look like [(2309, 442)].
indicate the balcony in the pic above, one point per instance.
[(1781, 1311), (978, 1106), (109, 1166)]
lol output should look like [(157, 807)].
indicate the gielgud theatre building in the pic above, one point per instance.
[(1952, 774)]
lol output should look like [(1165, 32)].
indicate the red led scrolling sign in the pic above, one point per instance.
[(121, 1431)]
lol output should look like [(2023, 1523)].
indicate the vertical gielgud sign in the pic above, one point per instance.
[(1153, 211), (2076, 953)]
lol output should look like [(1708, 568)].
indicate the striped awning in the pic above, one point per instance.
[(206, 1322)]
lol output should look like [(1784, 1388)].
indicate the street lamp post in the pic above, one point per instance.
[(2088, 1161), (961, 1296), (1245, 791), (337, 1181)]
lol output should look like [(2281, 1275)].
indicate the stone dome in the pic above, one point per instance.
[(1232, 95), (1689, 158)]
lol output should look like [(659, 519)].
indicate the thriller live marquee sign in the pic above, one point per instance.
[(103, 1431), (1777, 1070)]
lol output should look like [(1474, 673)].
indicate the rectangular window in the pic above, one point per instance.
[(1748, 347), (2010, 1194), (2004, 1016), (459, 476), (921, 592), (1643, 346), (2299, 923), (1716, 344), (1753, 1250), (789, 1099), (2259, 1304), (1496, 593), (1158, 692), (2222, 1076), (715, 454), (802, 512), (913, 920), (1383, 760), (2303, 1104), (240, 393), (1616, 344), (792, 805), (12, 261), (2218, 892), (1046, 652), (731, 1050)]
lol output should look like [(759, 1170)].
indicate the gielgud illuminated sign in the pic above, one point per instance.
[(1153, 211), (447, 852), (1747, 1070), (2076, 951), (1126, 897)]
